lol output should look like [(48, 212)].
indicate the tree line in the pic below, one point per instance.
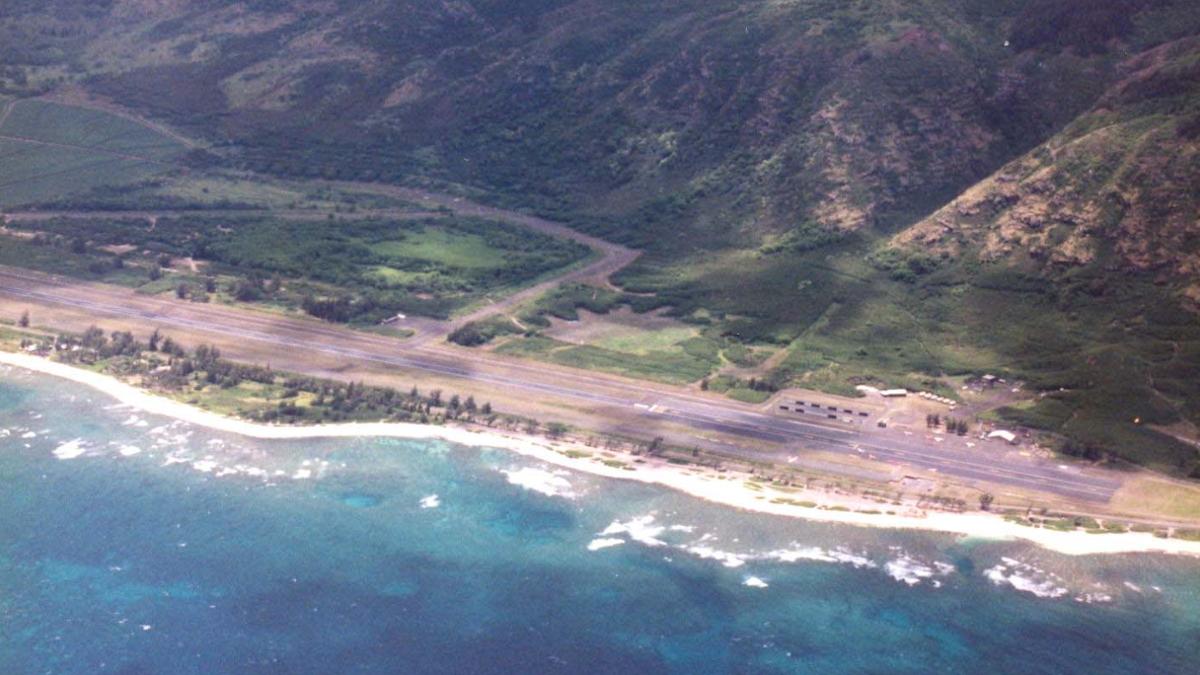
[(953, 426)]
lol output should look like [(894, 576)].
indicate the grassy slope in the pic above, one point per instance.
[(71, 125), (1096, 229), (849, 113), (33, 173)]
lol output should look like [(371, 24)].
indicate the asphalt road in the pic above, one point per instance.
[(652, 403)]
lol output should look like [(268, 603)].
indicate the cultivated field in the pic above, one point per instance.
[(48, 151)]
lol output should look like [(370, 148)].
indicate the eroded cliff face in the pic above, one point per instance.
[(1120, 186)]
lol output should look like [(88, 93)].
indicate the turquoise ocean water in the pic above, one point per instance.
[(136, 545)]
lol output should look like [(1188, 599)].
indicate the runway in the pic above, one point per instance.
[(652, 403)]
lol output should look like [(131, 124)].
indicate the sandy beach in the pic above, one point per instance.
[(728, 488)]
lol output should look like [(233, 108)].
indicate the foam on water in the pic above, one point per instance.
[(817, 554), (1027, 578), (604, 542), (206, 465), (911, 572), (70, 449), (551, 484), (726, 558), (640, 529), (430, 502), (329, 573)]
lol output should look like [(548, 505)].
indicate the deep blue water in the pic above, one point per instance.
[(147, 546)]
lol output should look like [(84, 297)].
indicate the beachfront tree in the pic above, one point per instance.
[(655, 446), (247, 289), (985, 501), (93, 338)]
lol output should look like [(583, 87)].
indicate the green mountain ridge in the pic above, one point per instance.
[(766, 114)]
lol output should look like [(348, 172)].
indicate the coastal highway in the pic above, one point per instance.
[(651, 403)]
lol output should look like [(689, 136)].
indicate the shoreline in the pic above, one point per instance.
[(706, 484)]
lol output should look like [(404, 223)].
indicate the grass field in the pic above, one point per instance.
[(623, 330), (1150, 495), (642, 343), (596, 328), (676, 365), (88, 128), (453, 249), (31, 172), (224, 190)]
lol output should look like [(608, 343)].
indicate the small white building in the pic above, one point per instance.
[(1006, 436)]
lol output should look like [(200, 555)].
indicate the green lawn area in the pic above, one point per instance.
[(631, 340), (748, 395), (440, 246), (675, 366), (392, 277)]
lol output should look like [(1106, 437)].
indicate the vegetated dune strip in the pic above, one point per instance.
[(694, 481)]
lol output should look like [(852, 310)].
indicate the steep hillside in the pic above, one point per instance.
[(753, 116), (1100, 225), (1119, 187)]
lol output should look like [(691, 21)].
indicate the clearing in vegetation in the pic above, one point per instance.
[(224, 191), (49, 150), (595, 328)]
